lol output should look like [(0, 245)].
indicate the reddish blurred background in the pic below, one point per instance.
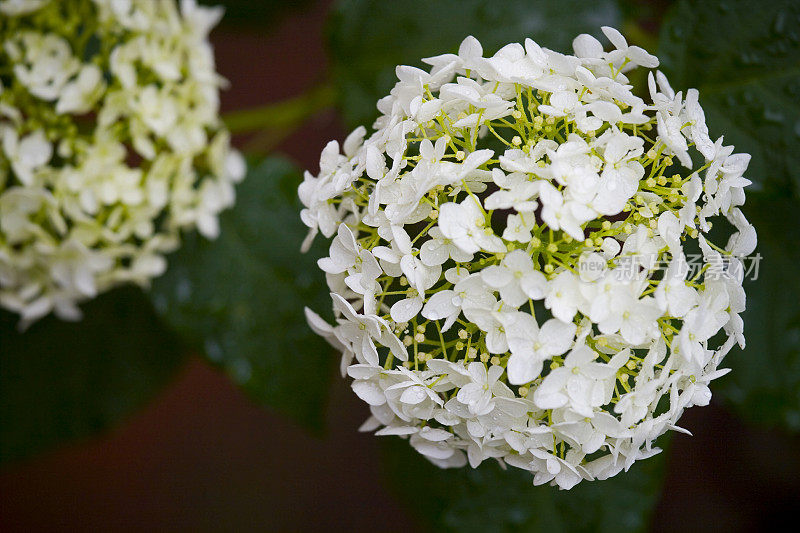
[(202, 457)]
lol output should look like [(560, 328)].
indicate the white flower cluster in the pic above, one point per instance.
[(494, 259), (110, 144)]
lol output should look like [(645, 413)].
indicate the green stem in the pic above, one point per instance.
[(285, 115)]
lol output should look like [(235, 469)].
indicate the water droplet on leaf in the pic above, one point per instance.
[(242, 370), (213, 350), (773, 116), (183, 290)]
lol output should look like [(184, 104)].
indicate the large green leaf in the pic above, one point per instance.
[(492, 499), (65, 380), (744, 57), (239, 299), (765, 381), (368, 38)]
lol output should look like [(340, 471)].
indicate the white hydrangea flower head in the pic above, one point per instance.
[(110, 145), (508, 263)]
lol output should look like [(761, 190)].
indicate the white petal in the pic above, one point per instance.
[(370, 392), (405, 310)]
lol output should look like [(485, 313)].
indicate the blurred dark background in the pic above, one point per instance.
[(202, 456)]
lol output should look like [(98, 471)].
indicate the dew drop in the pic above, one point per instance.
[(213, 350), (304, 281), (779, 24), (183, 290), (242, 370), (773, 116), (747, 59), (792, 90)]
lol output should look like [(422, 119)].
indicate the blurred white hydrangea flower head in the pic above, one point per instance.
[(110, 144), (509, 265)]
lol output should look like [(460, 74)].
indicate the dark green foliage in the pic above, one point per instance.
[(765, 381), (492, 499), (744, 58), (61, 381), (369, 38), (239, 299)]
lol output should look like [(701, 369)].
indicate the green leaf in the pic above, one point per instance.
[(61, 381), (764, 383), (239, 299), (492, 499), (744, 58), (368, 38)]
